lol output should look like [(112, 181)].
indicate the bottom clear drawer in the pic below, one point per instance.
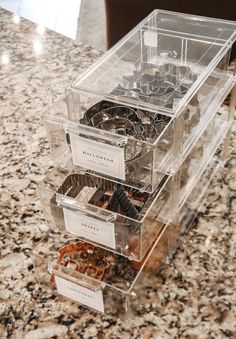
[(96, 278)]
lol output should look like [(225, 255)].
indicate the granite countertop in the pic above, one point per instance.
[(197, 289)]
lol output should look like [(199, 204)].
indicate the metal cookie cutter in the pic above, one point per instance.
[(118, 111), (98, 192), (87, 259), (157, 84), (130, 122), (98, 107), (123, 120), (165, 54), (72, 187), (148, 125), (119, 125)]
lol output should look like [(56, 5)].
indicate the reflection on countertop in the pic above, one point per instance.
[(196, 290)]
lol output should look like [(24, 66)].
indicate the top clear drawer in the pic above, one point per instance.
[(159, 65)]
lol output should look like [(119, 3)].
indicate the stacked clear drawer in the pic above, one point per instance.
[(135, 140)]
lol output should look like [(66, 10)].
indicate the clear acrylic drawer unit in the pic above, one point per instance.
[(99, 279), (136, 141), (136, 111), (191, 206)]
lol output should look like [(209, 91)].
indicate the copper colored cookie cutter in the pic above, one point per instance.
[(87, 259)]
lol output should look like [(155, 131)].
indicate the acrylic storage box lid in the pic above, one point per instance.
[(161, 63)]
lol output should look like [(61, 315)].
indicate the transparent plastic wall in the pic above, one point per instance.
[(198, 157), (212, 144), (195, 201), (187, 40), (185, 218)]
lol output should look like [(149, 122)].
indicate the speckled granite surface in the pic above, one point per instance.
[(197, 290)]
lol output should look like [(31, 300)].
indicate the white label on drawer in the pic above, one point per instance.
[(83, 295), (99, 157), (150, 39), (100, 231)]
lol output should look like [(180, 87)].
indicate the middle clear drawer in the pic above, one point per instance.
[(116, 217)]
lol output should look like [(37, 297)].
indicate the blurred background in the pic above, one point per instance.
[(101, 23), (80, 20)]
